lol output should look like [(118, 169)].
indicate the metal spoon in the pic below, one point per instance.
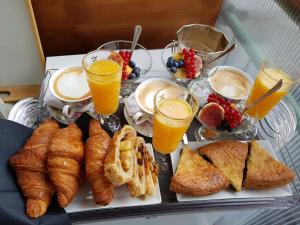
[(276, 87), (136, 36), (224, 53)]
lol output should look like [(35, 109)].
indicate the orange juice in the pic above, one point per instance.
[(104, 79), (265, 80), (171, 120)]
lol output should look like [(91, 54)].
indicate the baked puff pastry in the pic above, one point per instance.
[(119, 161), (137, 185), (151, 171)]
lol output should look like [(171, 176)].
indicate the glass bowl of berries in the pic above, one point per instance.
[(183, 63), (134, 65), (221, 118)]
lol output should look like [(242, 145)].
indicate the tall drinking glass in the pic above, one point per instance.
[(271, 71), (174, 109), (103, 69)]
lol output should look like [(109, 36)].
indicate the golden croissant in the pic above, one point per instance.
[(30, 165), (97, 146), (64, 163)]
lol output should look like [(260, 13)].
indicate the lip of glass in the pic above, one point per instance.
[(102, 50), (264, 67), (174, 118)]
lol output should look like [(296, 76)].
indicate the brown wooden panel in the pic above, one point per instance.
[(78, 26)]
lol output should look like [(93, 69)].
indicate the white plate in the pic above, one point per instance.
[(84, 200), (143, 129), (229, 194)]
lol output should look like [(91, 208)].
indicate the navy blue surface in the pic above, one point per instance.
[(12, 204)]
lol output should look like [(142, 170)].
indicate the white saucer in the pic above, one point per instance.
[(143, 128)]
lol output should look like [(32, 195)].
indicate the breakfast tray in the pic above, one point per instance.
[(287, 153)]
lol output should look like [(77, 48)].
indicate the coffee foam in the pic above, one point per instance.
[(72, 85), (230, 83), (146, 95)]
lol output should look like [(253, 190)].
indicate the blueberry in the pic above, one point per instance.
[(136, 70), (170, 58), (169, 64), (180, 63), (131, 64), (222, 126), (132, 76), (227, 127), (173, 69), (175, 64)]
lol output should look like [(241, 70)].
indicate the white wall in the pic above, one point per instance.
[(19, 59)]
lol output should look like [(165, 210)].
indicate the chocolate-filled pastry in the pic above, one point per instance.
[(137, 185)]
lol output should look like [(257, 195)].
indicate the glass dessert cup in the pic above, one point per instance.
[(103, 69), (245, 131), (174, 109), (178, 69), (223, 116), (142, 62)]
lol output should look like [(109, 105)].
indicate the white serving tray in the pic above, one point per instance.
[(230, 194), (84, 200)]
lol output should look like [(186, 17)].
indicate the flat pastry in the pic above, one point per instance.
[(229, 157), (264, 172), (151, 172), (137, 185), (196, 176), (96, 149), (119, 160)]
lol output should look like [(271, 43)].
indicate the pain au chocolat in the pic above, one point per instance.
[(196, 176), (263, 171), (229, 157)]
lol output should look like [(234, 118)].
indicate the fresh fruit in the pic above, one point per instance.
[(186, 60), (212, 114), (129, 70), (233, 117)]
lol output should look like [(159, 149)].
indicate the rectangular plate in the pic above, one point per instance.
[(230, 194), (84, 199)]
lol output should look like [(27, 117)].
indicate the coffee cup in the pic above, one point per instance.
[(231, 83), (69, 86), (144, 96)]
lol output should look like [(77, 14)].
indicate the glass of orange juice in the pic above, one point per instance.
[(174, 109), (103, 69), (269, 74)]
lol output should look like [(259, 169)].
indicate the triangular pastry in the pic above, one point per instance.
[(229, 157), (196, 176), (263, 171)]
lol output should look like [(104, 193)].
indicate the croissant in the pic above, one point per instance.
[(64, 163), (119, 160), (30, 165), (95, 151)]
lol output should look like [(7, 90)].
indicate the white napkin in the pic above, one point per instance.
[(51, 100), (67, 110), (135, 111)]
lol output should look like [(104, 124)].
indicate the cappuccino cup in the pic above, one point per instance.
[(231, 83), (144, 96), (69, 86)]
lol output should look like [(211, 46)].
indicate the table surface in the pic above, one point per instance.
[(169, 204)]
